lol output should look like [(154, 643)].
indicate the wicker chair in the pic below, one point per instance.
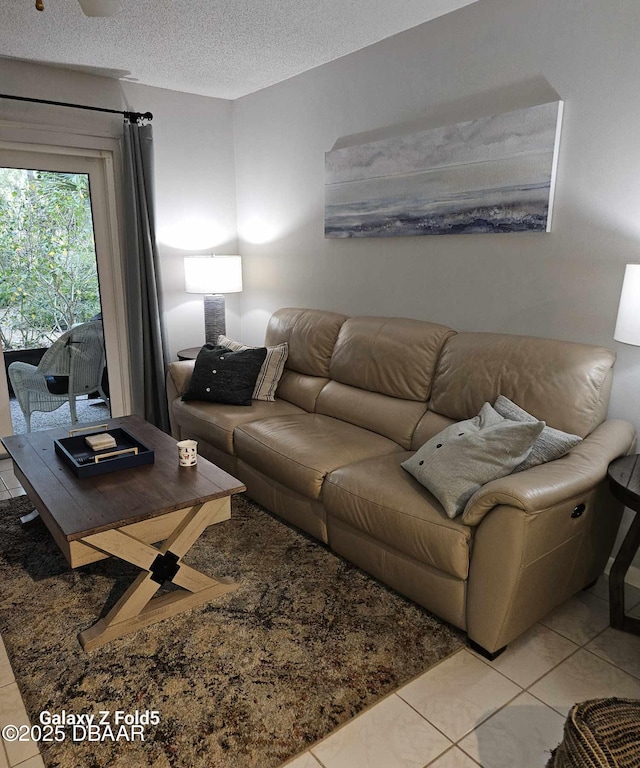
[(78, 357)]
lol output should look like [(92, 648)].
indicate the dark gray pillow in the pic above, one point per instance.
[(223, 376), (552, 443)]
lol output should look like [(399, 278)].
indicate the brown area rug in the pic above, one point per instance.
[(249, 680)]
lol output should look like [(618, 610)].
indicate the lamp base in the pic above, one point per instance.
[(214, 318)]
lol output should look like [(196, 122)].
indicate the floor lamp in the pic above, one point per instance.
[(214, 276)]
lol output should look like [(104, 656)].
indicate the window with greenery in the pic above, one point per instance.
[(48, 278)]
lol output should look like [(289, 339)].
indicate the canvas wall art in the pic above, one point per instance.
[(492, 174)]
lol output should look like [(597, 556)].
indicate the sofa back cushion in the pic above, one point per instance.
[(388, 416), (381, 372), (565, 384), (390, 355), (311, 335), (300, 389)]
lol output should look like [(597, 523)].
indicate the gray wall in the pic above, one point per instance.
[(195, 198), (491, 57), (488, 58)]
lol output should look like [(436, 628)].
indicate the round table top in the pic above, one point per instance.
[(624, 478), (190, 353)]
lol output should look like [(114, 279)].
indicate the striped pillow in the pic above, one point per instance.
[(271, 370)]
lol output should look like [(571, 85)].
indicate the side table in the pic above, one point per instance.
[(624, 481), (189, 354)]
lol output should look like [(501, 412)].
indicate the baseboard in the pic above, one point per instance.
[(633, 574)]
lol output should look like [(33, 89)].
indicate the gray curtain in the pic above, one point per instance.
[(147, 339)]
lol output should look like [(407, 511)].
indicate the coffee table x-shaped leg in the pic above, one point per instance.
[(137, 607)]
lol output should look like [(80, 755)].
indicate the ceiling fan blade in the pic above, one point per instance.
[(100, 7)]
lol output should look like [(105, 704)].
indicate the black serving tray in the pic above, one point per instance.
[(75, 452)]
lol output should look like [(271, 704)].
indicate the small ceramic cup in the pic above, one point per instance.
[(188, 453)]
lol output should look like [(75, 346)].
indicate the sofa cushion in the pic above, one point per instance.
[(562, 383), (381, 371), (428, 426), (550, 445), (392, 417), (378, 497), (300, 389), (300, 450), (216, 421), (390, 355), (310, 334)]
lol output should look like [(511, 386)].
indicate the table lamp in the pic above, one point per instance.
[(214, 276), (628, 322)]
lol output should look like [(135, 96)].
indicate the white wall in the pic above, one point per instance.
[(195, 184)]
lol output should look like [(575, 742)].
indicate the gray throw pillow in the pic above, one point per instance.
[(552, 443), (463, 457)]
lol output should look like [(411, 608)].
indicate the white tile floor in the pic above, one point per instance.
[(465, 711), (500, 714), (9, 486), (488, 730)]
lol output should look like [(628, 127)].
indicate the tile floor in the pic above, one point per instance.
[(9, 486), (463, 713), (467, 712)]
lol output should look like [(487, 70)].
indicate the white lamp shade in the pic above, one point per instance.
[(100, 7), (628, 323), (213, 274)]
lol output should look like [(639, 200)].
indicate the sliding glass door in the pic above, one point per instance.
[(58, 280)]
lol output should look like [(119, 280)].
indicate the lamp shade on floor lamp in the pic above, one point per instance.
[(213, 276), (628, 322)]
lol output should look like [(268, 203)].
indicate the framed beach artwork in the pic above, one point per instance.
[(492, 174)]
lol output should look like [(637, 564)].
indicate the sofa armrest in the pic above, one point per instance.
[(548, 484), (178, 378)]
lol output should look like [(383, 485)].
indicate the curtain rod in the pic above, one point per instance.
[(132, 117)]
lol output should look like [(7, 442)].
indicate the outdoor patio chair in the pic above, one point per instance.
[(77, 356)]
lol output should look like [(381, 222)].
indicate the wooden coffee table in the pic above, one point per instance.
[(123, 513)]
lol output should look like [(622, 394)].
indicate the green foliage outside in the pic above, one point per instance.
[(48, 279)]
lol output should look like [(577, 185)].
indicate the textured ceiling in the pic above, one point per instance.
[(223, 48)]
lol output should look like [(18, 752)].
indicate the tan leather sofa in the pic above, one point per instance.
[(359, 394)]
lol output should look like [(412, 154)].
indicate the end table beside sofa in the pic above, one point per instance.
[(190, 353), (624, 481), (360, 395)]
